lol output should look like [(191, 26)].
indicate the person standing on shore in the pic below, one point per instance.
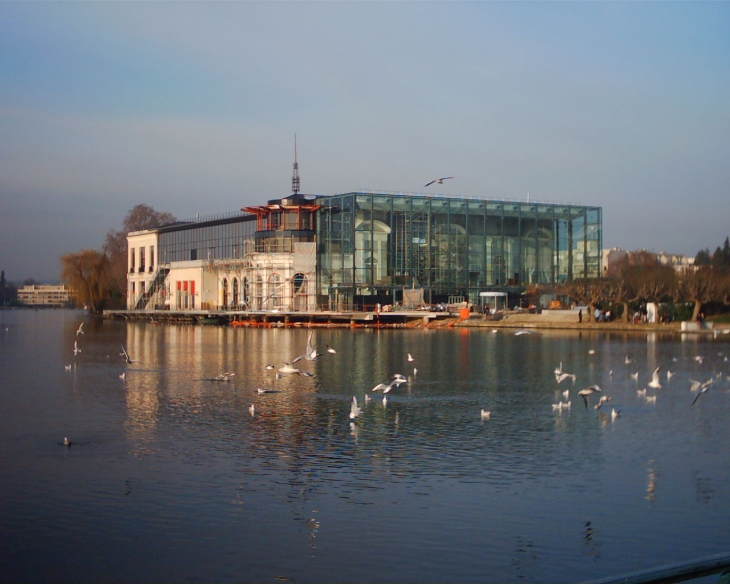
[(580, 315)]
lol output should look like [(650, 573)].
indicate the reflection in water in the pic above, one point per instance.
[(651, 485), (168, 463)]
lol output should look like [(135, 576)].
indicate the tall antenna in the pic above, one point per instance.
[(295, 176)]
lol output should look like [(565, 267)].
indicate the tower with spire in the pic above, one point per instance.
[(295, 175)]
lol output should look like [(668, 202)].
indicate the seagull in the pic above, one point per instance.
[(603, 399), (410, 357), (438, 180), (526, 332), (310, 353), (486, 414), (66, 442), (80, 331), (386, 388), (270, 367), (126, 356), (262, 390), (705, 387), (367, 398), (650, 399), (288, 368), (591, 351), (67, 367), (699, 359), (641, 392), (655, 379), (695, 385), (331, 350), (628, 360), (634, 375), (584, 393), (76, 348), (252, 409), (354, 409), (122, 376), (558, 369), (670, 374), (560, 377), (566, 394), (614, 414)]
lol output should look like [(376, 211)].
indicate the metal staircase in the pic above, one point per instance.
[(157, 283)]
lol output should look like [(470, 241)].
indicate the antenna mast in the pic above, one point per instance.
[(295, 176)]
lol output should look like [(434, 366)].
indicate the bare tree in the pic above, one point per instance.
[(699, 286), (87, 273), (139, 218)]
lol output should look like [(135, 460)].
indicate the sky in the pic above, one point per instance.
[(192, 108)]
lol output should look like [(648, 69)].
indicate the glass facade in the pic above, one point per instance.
[(373, 245), (218, 238)]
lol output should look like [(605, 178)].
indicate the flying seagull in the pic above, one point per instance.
[(584, 393), (126, 356), (80, 330), (438, 180), (655, 379)]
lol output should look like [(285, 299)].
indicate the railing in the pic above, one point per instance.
[(680, 572)]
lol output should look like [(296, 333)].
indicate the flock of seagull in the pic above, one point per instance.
[(77, 350), (311, 354), (655, 383)]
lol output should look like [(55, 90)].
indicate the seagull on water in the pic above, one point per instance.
[(438, 180), (588, 391), (66, 442), (655, 379), (252, 409), (486, 414), (354, 409)]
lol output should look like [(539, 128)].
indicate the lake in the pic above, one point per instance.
[(171, 478)]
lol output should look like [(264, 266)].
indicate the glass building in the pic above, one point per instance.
[(359, 249), (373, 245)]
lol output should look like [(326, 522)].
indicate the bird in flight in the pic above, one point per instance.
[(438, 180)]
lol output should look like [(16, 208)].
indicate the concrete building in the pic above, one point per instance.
[(46, 295)]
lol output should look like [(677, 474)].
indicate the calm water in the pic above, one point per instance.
[(171, 479)]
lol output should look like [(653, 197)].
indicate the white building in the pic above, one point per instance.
[(44, 295)]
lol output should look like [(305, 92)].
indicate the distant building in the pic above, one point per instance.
[(44, 295), (614, 256)]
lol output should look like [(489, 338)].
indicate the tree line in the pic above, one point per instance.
[(99, 277), (640, 277)]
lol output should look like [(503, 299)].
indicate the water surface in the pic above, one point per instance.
[(170, 477)]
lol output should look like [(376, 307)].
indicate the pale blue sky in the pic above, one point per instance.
[(192, 108)]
